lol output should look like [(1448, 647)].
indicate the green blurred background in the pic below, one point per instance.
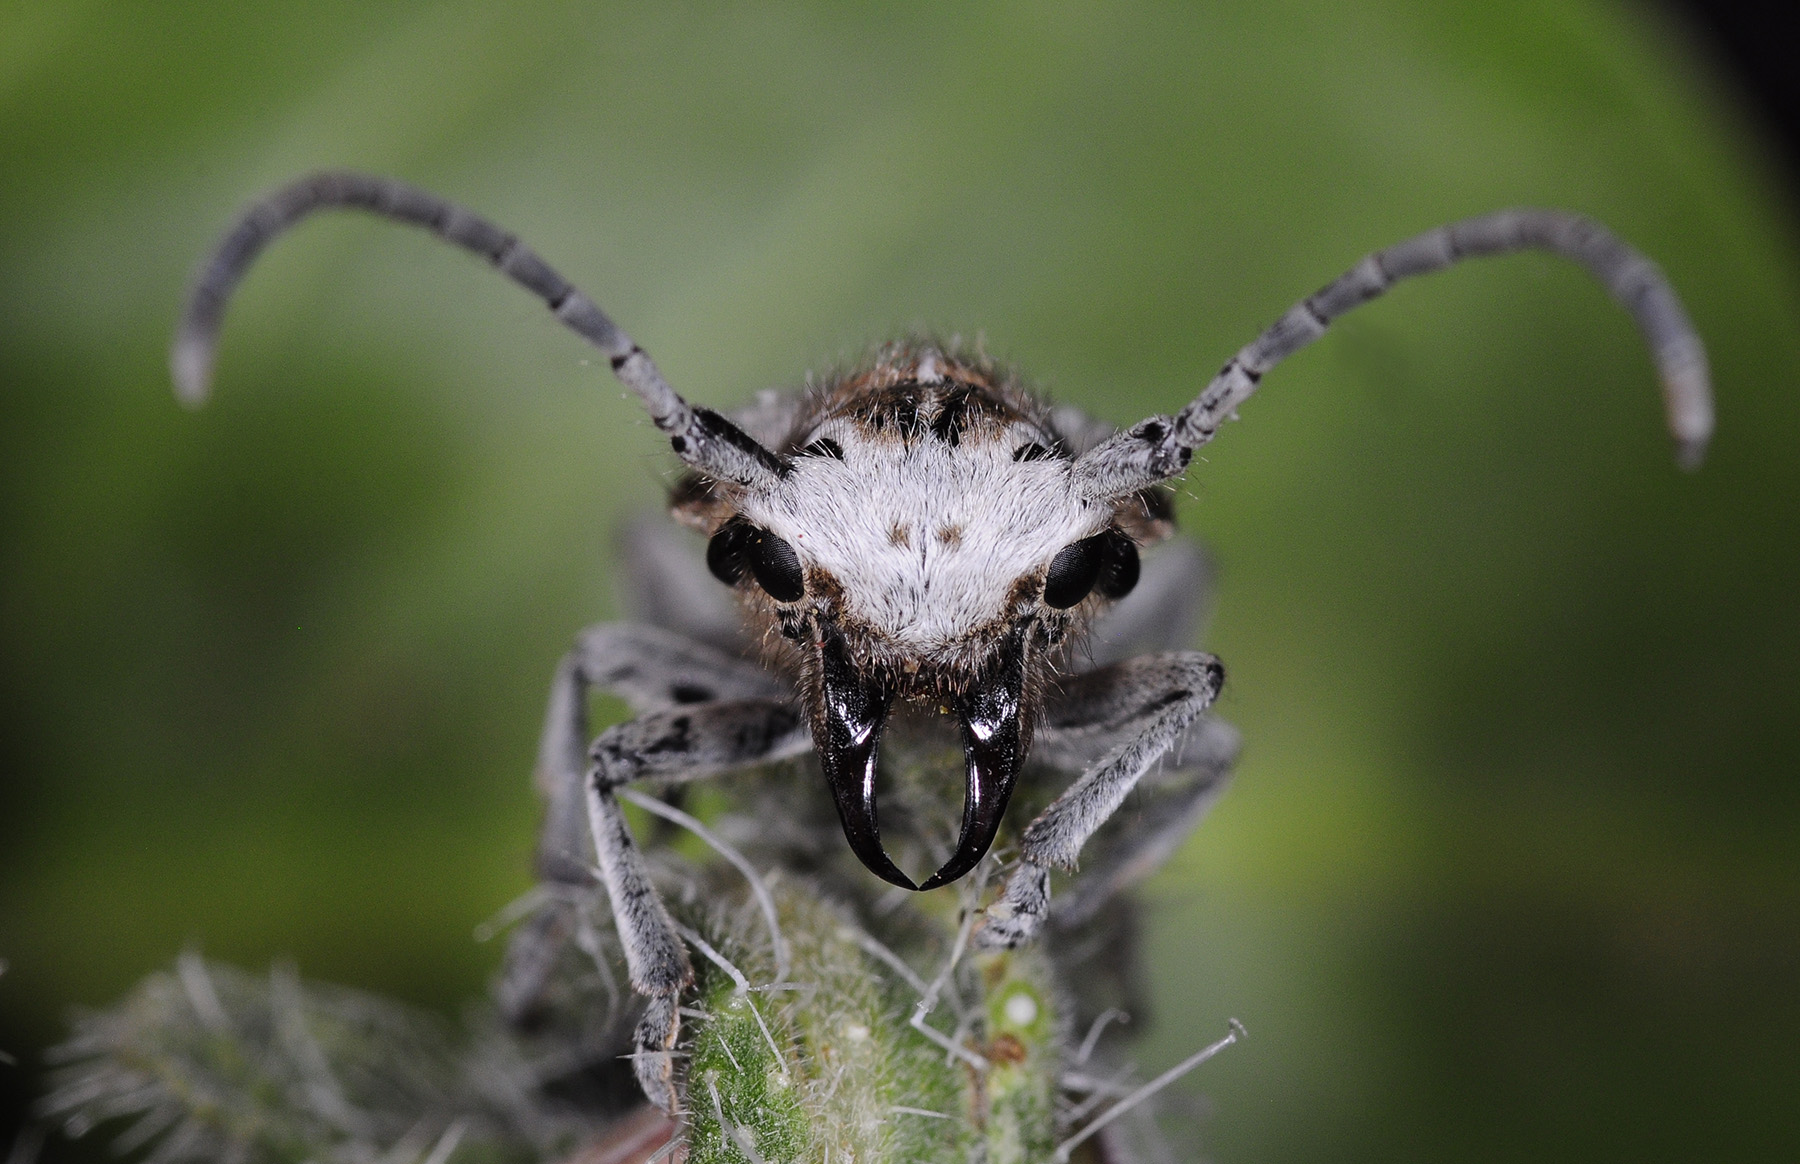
[(1512, 866)]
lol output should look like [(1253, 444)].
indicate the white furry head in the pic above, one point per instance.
[(926, 546), (926, 499)]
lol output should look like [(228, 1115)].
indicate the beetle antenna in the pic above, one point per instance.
[(1160, 447), (701, 437)]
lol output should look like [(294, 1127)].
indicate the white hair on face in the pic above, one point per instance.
[(926, 539)]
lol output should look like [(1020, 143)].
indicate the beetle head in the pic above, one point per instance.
[(925, 543)]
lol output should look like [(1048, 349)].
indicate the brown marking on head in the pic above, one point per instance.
[(919, 388), (899, 536), (950, 534)]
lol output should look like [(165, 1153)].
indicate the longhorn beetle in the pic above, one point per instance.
[(920, 540)]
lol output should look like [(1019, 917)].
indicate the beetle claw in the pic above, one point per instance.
[(854, 713), (994, 743)]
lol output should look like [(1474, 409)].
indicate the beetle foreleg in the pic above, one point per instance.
[(1148, 703)]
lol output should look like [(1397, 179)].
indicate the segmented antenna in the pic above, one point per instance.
[(702, 438), (1160, 447)]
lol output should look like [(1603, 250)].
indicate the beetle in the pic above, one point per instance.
[(916, 542)]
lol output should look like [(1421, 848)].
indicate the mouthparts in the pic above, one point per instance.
[(847, 736)]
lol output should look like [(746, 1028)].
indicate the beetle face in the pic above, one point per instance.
[(926, 542)]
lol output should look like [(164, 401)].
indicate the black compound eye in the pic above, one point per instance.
[(1107, 562), (776, 566), (1118, 565), (728, 553), (1072, 573), (740, 546)]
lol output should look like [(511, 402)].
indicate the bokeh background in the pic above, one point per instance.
[(1511, 869)]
